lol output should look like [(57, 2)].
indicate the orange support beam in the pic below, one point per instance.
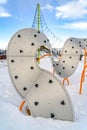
[(48, 54), (82, 78), (21, 105), (83, 72), (27, 109), (65, 79)]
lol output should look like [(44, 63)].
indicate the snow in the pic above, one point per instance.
[(12, 118)]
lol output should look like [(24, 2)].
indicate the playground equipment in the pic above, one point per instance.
[(44, 92), (69, 60)]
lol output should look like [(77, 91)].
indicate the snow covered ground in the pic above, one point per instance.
[(12, 119)]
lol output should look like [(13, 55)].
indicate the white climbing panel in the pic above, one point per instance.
[(43, 92), (82, 42), (69, 60)]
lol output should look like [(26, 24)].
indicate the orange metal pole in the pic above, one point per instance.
[(83, 72), (82, 76), (45, 55), (21, 105), (66, 80)]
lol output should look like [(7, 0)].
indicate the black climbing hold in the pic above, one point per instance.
[(52, 115), (35, 35), (36, 85), (12, 61), (65, 51), (16, 77), (70, 57), (50, 81), (79, 42), (21, 51), (62, 102), (32, 44), (57, 64), (24, 88), (44, 41), (72, 66), (70, 39), (53, 65), (63, 61), (38, 31), (36, 103), (63, 68), (84, 39), (72, 47), (32, 67), (76, 51), (80, 45), (19, 35), (59, 73), (48, 40)]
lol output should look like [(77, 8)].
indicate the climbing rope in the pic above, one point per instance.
[(44, 28)]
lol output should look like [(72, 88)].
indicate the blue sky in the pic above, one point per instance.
[(65, 18)]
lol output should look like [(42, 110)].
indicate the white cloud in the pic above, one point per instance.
[(78, 25), (18, 18), (72, 10), (4, 13), (48, 7), (3, 1)]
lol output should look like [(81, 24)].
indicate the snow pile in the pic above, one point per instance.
[(12, 118)]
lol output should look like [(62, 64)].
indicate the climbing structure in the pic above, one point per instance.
[(69, 60), (44, 93), (70, 57), (40, 24)]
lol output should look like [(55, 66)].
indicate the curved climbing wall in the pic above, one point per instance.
[(43, 92), (69, 59)]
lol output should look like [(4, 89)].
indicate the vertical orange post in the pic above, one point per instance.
[(83, 72), (81, 81)]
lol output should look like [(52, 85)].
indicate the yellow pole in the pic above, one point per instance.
[(38, 7)]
